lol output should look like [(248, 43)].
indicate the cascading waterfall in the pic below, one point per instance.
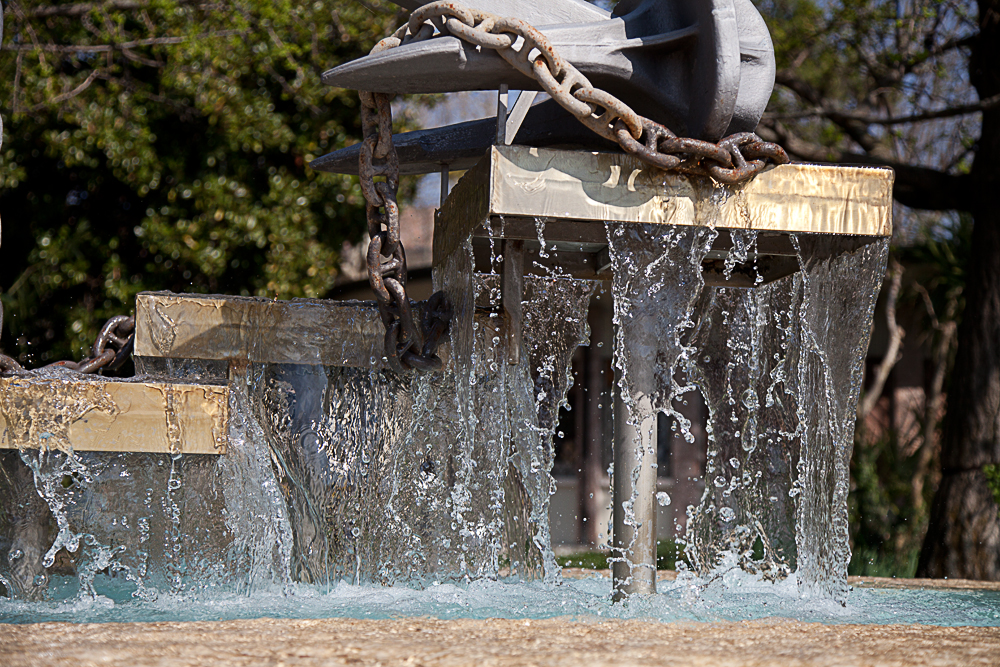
[(331, 473)]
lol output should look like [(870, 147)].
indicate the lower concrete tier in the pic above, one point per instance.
[(494, 642)]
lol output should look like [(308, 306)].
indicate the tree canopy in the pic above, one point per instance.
[(880, 83), (164, 144)]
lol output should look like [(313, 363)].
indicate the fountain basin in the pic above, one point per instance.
[(378, 633)]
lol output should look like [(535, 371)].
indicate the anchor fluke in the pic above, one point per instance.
[(704, 69)]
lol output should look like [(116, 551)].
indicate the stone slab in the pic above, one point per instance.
[(300, 331), (92, 414), (525, 182)]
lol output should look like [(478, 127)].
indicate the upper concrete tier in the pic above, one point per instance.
[(555, 185)]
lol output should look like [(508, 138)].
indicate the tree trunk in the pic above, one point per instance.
[(963, 538)]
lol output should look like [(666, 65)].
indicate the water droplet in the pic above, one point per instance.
[(720, 481), (735, 462), (40, 580), (727, 514), (662, 498), (14, 555), (355, 531)]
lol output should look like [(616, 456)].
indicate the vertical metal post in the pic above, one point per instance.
[(596, 384), (502, 107), (445, 183), (511, 293), (634, 483)]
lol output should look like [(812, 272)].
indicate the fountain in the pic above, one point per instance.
[(287, 452)]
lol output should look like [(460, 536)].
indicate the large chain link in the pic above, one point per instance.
[(735, 159), (112, 348)]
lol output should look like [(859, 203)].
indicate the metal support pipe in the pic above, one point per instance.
[(634, 485), (511, 293), (503, 106), (445, 183), (518, 112)]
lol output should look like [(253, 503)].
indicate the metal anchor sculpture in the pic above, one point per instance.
[(704, 69)]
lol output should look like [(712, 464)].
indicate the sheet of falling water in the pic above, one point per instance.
[(779, 366)]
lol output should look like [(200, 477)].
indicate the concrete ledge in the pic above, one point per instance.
[(496, 642), (91, 414), (300, 331), (554, 185)]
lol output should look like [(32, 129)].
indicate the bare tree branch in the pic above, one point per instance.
[(940, 49), (934, 401), (893, 352), (29, 28), (810, 94), (69, 94), (17, 79), (102, 48), (961, 110), (83, 8), (131, 55)]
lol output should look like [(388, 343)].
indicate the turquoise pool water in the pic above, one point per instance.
[(730, 598)]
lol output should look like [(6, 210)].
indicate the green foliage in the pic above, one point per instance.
[(992, 473), (939, 263), (890, 490), (666, 558), (587, 560), (842, 61), (886, 526), (166, 147)]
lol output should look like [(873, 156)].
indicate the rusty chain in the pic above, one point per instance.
[(735, 159), (111, 349), (407, 345)]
